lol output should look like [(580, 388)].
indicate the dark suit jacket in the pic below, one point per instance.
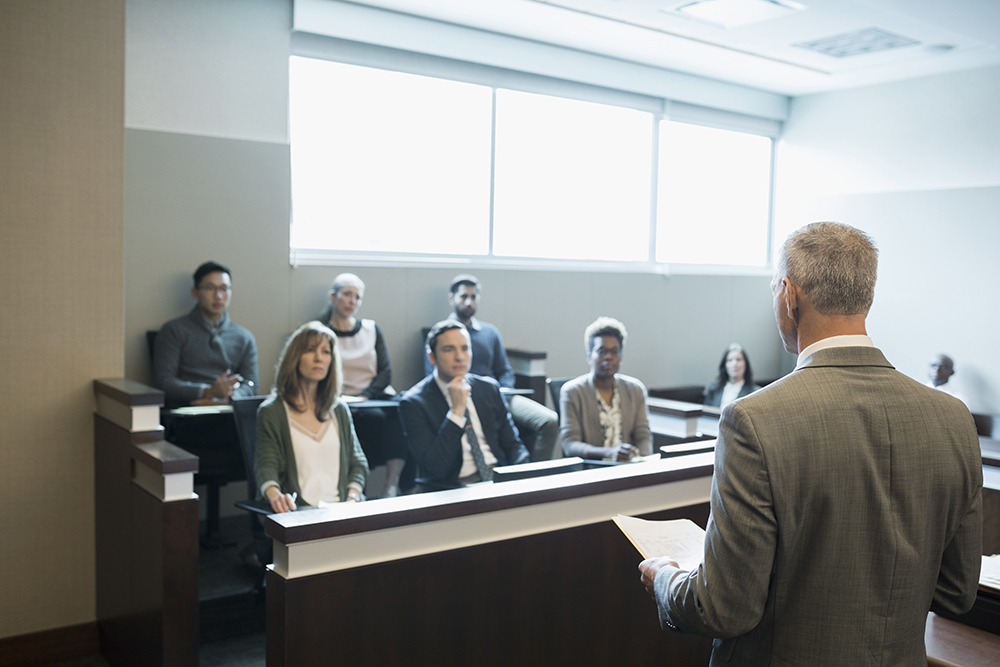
[(846, 503), (436, 441)]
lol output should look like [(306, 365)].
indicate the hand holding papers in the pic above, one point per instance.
[(681, 539)]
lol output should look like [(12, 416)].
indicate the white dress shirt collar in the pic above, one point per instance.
[(856, 340)]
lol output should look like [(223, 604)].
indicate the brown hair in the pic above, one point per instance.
[(288, 383)]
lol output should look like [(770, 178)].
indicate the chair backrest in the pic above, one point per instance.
[(987, 425), (245, 413), (555, 389), (150, 342)]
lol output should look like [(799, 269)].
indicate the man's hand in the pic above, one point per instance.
[(625, 452), (222, 389), (280, 502), (459, 390), (648, 569)]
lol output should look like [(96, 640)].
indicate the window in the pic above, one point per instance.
[(392, 167), (714, 196)]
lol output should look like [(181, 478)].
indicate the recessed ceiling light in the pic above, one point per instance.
[(733, 13), (858, 43)]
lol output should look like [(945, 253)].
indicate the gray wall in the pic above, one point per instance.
[(917, 165)]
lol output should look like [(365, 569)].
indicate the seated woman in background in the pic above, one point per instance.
[(603, 413), (735, 378), (306, 446), (367, 374)]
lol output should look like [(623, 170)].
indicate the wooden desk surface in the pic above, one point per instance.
[(953, 644)]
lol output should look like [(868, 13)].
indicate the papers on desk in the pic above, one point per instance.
[(681, 539), (353, 399), (989, 576)]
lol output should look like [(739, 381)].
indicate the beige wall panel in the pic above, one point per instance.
[(61, 120)]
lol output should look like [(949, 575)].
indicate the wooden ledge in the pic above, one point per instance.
[(665, 406), (524, 354), (165, 458), (349, 519), (129, 392)]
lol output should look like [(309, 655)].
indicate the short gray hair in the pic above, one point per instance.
[(835, 264), (345, 279)]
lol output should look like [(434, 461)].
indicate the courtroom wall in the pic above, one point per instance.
[(917, 165), (61, 118), (207, 176)]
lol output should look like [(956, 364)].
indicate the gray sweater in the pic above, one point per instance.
[(188, 357), (580, 421)]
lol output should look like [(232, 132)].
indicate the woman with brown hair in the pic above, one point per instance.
[(307, 450)]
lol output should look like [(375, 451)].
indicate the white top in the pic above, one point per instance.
[(730, 393), (610, 417), (358, 358), (468, 463), (835, 341), (317, 457)]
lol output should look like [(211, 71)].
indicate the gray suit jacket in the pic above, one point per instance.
[(580, 420), (846, 503)]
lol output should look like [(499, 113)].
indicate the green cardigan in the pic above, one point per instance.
[(274, 458)]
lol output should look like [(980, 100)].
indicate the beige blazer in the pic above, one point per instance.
[(846, 503)]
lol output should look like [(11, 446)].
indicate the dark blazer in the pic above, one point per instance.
[(436, 441), (846, 503), (713, 392)]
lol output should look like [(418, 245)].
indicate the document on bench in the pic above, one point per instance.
[(680, 539), (989, 577)]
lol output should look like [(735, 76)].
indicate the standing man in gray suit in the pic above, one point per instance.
[(847, 497)]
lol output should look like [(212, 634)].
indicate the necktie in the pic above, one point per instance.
[(477, 453)]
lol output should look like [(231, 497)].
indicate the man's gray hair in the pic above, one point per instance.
[(835, 264)]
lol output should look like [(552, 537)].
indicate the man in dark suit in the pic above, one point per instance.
[(847, 497), (457, 424)]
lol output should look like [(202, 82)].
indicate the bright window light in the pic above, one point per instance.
[(388, 162), (713, 197), (572, 179)]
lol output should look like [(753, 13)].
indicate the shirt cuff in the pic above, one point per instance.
[(265, 485), (458, 420)]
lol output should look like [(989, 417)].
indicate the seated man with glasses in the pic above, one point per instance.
[(203, 358), (603, 414)]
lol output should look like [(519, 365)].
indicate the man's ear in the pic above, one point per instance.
[(793, 294), (430, 355), (194, 293)]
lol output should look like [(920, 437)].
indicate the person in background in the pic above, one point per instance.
[(941, 370), (490, 360), (367, 374), (457, 423), (603, 413), (735, 378), (204, 358), (307, 451)]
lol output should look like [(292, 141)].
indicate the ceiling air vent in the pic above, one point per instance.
[(858, 43)]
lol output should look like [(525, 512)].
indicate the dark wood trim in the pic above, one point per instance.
[(524, 354), (565, 597), (305, 526), (57, 645), (129, 392), (165, 458)]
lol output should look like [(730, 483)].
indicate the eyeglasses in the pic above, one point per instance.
[(215, 289), (605, 352)]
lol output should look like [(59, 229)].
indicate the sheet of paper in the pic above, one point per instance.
[(989, 576), (681, 539)]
